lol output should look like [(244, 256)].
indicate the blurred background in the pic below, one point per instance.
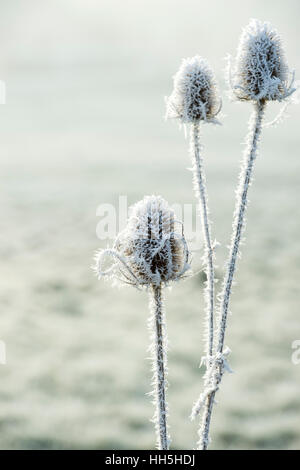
[(83, 123)]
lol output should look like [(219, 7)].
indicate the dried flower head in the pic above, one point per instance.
[(195, 95), (261, 71), (149, 251)]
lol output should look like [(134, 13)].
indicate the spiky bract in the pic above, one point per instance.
[(260, 71), (195, 95), (149, 251)]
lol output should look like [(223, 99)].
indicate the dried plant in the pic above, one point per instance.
[(195, 98), (260, 75), (150, 253), (195, 94), (261, 71)]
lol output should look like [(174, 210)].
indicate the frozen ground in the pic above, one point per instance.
[(84, 123)]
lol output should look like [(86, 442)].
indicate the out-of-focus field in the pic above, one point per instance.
[(84, 123)]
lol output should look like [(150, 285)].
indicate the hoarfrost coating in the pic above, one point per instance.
[(149, 250), (195, 95), (260, 71)]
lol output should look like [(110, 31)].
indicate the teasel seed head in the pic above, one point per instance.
[(195, 96), (260, 72), (150, 250)]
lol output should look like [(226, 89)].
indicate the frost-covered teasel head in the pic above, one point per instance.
[(260, 71), (149, 251), (195, 96)]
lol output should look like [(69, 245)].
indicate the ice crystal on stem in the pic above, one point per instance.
[(260, 75), (195, 99), (151, 252)]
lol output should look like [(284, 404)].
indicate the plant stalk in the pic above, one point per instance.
[(159, 367), (201, 194), (255, 127)]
